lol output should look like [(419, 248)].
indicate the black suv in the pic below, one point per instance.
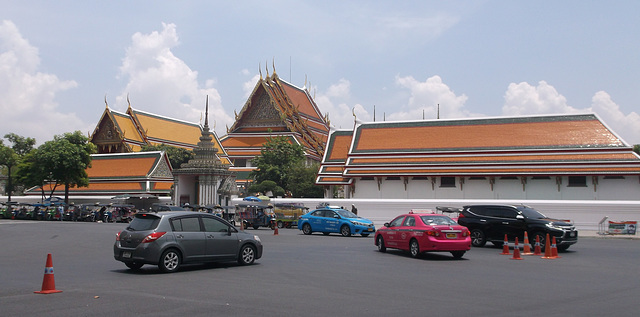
[(492, 222)]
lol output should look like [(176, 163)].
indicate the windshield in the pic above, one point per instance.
[(438, 221), (345, 213), (531, 213)]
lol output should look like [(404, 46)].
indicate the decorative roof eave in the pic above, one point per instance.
[(497, 171)]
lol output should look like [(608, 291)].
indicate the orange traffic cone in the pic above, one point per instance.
[(275, 230), (547, 249), (48, 282), (505, 246), (516, 251), (527, 247), (536, 247), (554, 249)]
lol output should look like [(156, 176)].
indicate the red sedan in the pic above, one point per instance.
[(419, 233)]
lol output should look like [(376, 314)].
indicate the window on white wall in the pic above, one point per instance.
[(447, 181), (577, 181)]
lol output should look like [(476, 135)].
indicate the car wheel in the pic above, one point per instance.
[(133, 265), (457, 254), (280, 224), (478, 238), (326, 233), (306, 229), (169, 261), (541, 237), (380, 243), (414, 248), (345, 231), (247, 255)]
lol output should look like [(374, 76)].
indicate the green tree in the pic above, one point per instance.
[(64, 161), (636, 148), (176, 155), (267, 186), (31, 172), (8, 159), (301, 181), (275, 160)]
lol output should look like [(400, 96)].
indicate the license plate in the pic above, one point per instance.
[(126, 254), (451, 235), (370, 229)]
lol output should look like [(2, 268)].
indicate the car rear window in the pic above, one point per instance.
[(143, 222), (437, 221)]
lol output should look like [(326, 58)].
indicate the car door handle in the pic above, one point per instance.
[(505, 222), (179, 236), (210, 236), (483, 220)]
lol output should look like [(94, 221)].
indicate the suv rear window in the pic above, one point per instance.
[(143, 222)]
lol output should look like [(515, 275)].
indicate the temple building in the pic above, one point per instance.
[(205, 179), (118, 132), (274, 108), (553, 157)]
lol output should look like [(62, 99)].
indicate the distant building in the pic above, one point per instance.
[(205, 180), (140, 173), (554, 157), (274, 108)]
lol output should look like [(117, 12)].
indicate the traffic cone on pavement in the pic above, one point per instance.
[(48, 282), (505, 246), (536, 247), (547, 249), (275, 230), (527, 247), (554, 249), (516, 251)]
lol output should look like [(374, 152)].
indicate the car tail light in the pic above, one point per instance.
[(153, 237), (465, 232), (118, 235), (460, 215), (433, 233)]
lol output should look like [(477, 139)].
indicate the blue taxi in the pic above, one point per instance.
[(332, 219)]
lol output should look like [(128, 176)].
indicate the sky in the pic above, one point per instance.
[(62, 62)]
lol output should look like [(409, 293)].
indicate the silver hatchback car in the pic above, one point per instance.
[(169, 239)]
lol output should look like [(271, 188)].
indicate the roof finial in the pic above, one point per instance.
[(206, 113), (260, 70), (129, 102), (273, 64), (105, 101), (266, 68)]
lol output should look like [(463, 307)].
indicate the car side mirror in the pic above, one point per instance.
[(386, 224), (520, 217)]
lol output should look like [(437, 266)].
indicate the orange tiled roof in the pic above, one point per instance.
[(126, 126), (118, 166), (540, 145), (165, 130)]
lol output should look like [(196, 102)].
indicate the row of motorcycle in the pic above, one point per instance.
[(88, 213)]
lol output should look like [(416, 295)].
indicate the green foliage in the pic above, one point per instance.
[(62, 161), (176, 155), (275, 160), (283, 164), (636, 148), (21, 145), (267, 186), (301, 181)]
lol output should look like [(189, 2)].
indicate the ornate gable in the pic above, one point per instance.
[(107, 136), (262, 112)]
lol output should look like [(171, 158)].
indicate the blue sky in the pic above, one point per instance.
[(59, 59)]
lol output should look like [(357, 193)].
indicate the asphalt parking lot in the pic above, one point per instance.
[(311, 275)]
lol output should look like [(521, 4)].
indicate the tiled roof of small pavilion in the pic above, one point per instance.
[(335, 157), (123, 173), (538, 145)]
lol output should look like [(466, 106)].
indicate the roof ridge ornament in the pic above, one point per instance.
[(105, 101)]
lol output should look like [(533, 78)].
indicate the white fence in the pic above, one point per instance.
[(585, 214)]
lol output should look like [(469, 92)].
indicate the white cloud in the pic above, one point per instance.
[(27, 97), (161, 83), (335, 102), (626, 126), (425, 98), (525, 99)]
